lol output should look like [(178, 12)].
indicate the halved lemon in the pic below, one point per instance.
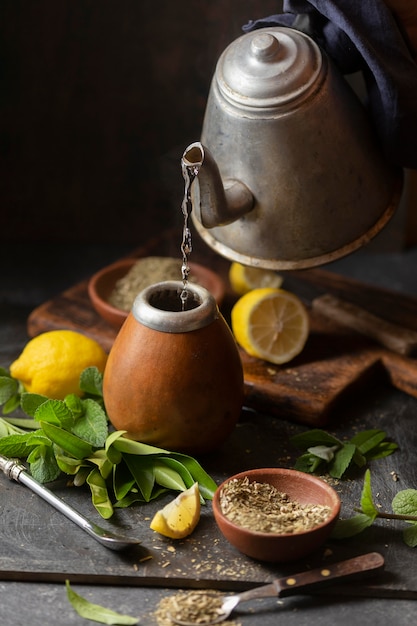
[(244, 278), (179, 518), (270, 324)]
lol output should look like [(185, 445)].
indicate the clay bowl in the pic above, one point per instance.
[(102, 283), (301, 487)]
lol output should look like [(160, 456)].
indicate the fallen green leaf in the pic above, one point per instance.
[(346, 528), (95, 612)]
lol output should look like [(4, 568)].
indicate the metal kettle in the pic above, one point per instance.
[(289, 173)]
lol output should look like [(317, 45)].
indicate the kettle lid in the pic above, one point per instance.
[(269, 67)]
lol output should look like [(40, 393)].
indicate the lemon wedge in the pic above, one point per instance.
[(179, 518), (270, 324), (244, 278)]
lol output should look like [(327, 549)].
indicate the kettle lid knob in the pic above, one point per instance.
[(264, 46), (269, 67)]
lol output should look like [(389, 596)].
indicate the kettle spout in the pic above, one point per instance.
[(215, 202)]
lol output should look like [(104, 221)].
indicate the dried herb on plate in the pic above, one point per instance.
[(262, 508)]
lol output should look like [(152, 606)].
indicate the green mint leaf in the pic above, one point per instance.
[(92, 426), (11, 405), (368, 439), (314, 437), (180, 468), (91, 381), (100, 459), (141, 468), (4, 428), (8, 388), (358, 458), (130, 498), (55, 412), (385, 448), (167, 476), (95, 612), (4, 372), (70, 443), (15, 445), (43, 466), (367, 503), (113, 454), (68, 465), (81, 476), (99, 494), (75, 405), (134, 496), (22, 424), (342, 460), (206, 484), (308, 463), (31, 401), (410, 536), (123, 444), (405, 502), (346, 528), (325, 453), (37, 438), (123, 481)]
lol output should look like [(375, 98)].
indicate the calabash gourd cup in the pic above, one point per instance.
[(174, 377)]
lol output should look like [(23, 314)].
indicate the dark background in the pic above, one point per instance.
[(99, 98)]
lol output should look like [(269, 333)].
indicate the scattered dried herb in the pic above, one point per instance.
[(324, 452), (196, 606), (404, 506), (262, 508)]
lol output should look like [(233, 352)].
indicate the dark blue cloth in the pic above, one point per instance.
[(362, 35)]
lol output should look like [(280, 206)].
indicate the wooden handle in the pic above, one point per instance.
[(396, 338), (305, 581), (402, 372)]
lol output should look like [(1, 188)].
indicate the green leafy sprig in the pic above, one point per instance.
[(96, 612), (404, 506), (324, 452), (72, 437)]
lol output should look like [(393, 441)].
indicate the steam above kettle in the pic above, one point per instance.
[(289, 172)]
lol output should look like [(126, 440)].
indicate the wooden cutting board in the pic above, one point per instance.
[(335, 363)]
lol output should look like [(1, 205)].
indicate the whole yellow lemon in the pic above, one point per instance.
[(52, 362)]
